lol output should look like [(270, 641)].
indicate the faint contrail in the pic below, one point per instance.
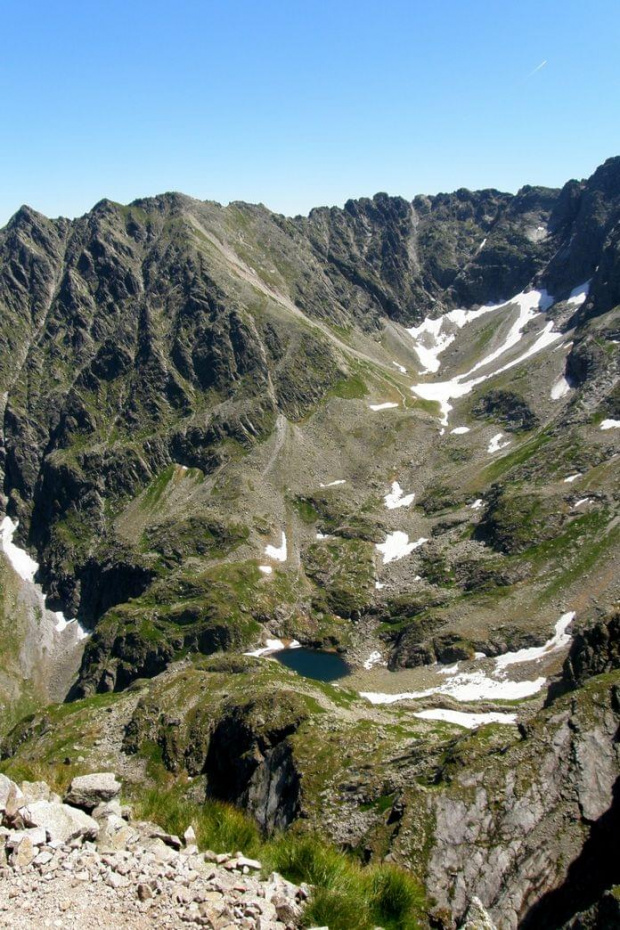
[(538, 67)]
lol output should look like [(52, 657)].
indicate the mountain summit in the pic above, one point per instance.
[(388, 430)]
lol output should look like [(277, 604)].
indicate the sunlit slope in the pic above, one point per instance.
[(192, 389)]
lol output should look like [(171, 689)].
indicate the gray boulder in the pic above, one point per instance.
[(11, 797), (36, 791), (88, 791), (21, 851), (62, 823)]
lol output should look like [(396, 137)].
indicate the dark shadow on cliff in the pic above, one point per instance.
[(594, 871)]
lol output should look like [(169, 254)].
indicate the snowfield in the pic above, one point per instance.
[(478, 685), (529, 306), (278, 553), (397, 546), (396, 497), (463, 719), (26, 567), (386, 406)]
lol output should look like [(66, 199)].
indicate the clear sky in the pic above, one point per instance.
[(300, 103)]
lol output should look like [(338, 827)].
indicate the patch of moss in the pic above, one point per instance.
[(351, 388)]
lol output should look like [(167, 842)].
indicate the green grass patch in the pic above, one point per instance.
[(218, 826), (156, 488), (525, 452), (347, 895), (306, 510), (351, 388)]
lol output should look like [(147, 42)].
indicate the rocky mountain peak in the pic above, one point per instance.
[(386, 432)]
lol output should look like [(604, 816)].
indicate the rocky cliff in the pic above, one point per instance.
[(388, 430)]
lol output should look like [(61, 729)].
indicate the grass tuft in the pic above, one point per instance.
[(347, 895), (220, 827)]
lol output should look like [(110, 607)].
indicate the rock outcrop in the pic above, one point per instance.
[(132, 871)]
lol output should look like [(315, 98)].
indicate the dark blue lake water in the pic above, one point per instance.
[(312, 663)]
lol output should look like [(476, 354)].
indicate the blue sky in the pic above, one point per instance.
[(300, 104)]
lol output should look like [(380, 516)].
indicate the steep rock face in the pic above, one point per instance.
[(594, 651), (250, 761), (586, 220), (454, 249), (508, 409), (141, 358), (512, 832), (242, 748)]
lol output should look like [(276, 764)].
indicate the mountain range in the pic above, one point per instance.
[(387, 431)]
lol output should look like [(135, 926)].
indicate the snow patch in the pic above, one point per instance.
[(386, 406), (529, 305), (560, 388), (478, 686), (279, 553), (401, 368), (397, 546), (62, 624), (496, 444), (472, 686), (579, 294), (333, 484), (460, 430), (373, 659), (584, 500), (610, 424), (559, 640), (449, 669), (477, 504), (271, 645), (24, 565), (397, 498), (572, 478), (432, 337), (463, 719), (379, 585), (265, 569)]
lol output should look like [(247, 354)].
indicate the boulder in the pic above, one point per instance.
[(108, 809), (115, 834), (36, 791), (11, 797), (37, 836), (88, 791), (22, 851), (62, 823)]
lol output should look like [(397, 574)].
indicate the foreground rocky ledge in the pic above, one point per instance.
[(93, 866)]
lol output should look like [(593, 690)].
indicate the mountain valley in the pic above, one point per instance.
[(388, 432)]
